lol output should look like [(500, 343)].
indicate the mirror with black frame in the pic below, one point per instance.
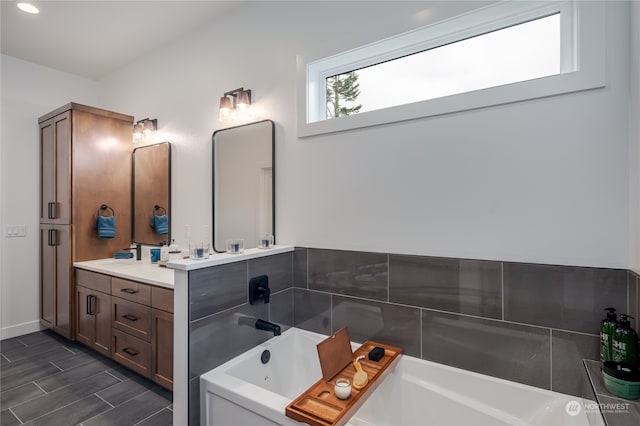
[(243, 184), (151, 189)]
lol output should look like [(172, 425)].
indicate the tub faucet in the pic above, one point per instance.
[(268, 326)]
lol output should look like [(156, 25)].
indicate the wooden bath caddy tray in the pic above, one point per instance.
[(319, 406)]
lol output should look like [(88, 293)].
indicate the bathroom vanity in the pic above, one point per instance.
[(125, 311)]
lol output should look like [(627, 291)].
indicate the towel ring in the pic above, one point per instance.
[(105, 207), (159, 207)]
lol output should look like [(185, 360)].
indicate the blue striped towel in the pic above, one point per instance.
[(160, 223), (106, 226)]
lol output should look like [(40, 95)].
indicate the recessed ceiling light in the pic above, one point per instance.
[(28, 7)]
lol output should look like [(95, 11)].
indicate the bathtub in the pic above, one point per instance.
[(244, 391)]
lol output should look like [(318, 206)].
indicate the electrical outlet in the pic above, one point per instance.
[(16, 231)]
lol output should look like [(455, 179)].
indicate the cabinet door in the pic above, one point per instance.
[(84, 319), (47, 276), (55, 165), (63, 280), (102, 316), (162, 348), (47, 171), (93, 319)]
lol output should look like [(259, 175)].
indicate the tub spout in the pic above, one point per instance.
[(268, 326)]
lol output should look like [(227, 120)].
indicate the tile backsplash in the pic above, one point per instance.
[(527, 323)]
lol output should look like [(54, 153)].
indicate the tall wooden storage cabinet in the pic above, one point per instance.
[(85, 161)]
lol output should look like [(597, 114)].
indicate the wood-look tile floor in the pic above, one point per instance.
[(48, 380)]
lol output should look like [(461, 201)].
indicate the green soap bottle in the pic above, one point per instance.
[(625, 343), (607, 327)]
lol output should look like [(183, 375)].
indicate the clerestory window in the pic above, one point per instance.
[(503, 53)]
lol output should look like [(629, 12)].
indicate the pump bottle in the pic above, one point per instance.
[(625, 343), (607, 327)]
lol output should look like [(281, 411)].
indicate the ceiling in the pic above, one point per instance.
[(94, 38)]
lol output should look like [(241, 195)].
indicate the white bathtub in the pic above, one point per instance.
[(246, 392)]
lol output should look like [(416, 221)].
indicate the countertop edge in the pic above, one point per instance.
[(225, 258), (122, 274)]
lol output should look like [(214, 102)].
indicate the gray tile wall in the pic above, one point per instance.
[(528, 323), (221, 320)]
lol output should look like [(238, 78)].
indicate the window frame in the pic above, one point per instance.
[(582, 64)]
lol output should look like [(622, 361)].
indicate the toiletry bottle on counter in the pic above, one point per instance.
[(607, 327), (625, 343), (164, 251)]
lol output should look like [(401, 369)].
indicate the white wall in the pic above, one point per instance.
[(28, 91), (634, 138), (538, 181)]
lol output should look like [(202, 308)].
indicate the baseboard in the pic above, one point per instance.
[(19, 329)]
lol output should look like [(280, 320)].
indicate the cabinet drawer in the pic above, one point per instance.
[(131, 318), (131, 290), (162, 298), (131, 352), (93, 280)]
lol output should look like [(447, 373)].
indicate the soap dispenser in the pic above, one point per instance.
[(625, 343), (607, 327)]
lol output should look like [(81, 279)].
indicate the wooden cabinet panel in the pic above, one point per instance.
[(62, 137), (102, 149), (102, 312), (131, 290), (84, 319), (93, 280), (55, 163), (132, 318), (64, 281), (56, 296), (162, 348), (131, 352), (47, 277), (47, 171), (93, 319), (162, 298)]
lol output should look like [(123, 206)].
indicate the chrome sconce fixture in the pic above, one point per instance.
[(235, 105), (144, 128)]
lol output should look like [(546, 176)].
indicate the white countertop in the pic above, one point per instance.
[(131, 269), (224, 258)]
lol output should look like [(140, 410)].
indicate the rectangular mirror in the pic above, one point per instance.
[(151, 185), (243, 184)]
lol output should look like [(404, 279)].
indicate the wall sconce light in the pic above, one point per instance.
[(237, 107), (145, 127)]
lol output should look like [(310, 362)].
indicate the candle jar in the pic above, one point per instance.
[(342, 388), (199, 251), (235, 246), (265, 242)]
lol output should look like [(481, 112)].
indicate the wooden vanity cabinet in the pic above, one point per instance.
[(85, 161), (128, 321)]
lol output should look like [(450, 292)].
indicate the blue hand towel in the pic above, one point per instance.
[(123, 255), (160, 224), (106, 226)]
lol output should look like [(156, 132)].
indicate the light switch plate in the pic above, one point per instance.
[(16, 231)]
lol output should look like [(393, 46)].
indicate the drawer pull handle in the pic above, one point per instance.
[(129, 290), (130, 351), (130, 317)]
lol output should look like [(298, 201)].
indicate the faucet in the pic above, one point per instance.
[(268, 326), (138, 251)]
